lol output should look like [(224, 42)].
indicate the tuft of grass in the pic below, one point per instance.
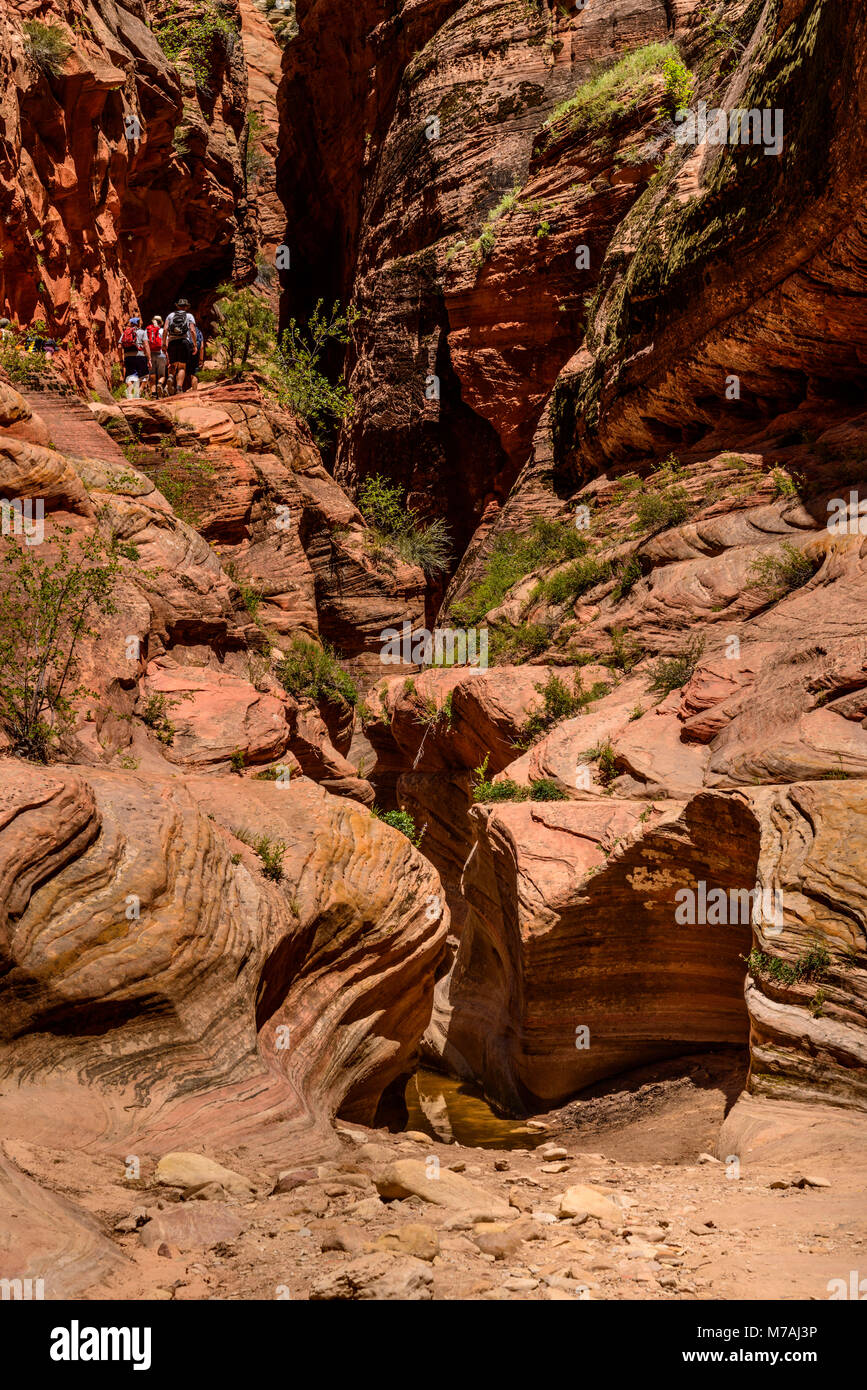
[(657, 510), (812, 965), (271, 854), (397, 527), (617, 90), (603, 754), (513, 556), (672, 673), (47, 46)]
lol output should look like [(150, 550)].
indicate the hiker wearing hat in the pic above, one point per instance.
[(179, 339), (159, 361), (136, 356)]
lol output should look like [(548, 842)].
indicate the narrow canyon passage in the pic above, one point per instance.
[(433, 658)]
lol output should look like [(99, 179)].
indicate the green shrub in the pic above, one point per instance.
[(784, 484), (155, 716), (296, 375), (45, 610), (672, 673), (603, 754), (559, 703), (625, 651), (47, 46), (567, 585), (780, 574), (678, 87), (627, 573), (513, 556), (271, 854), (238, 760), (619, 89), (397, 527), (812, 965), (437, 718), (200, 34), (312, 671), (657, 510), (251, 597), (22, 368), (518, 644), (245, 325), (546, 789), (402, 821), (255, 160)]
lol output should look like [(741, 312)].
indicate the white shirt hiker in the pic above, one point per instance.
[(191, 328)]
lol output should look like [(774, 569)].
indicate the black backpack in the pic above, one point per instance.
[(177, 326)]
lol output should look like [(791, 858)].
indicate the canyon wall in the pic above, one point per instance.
[(123, 178)]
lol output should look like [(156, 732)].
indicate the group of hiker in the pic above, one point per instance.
[(165, 356)]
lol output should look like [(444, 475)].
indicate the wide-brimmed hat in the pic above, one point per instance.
[(183, 303), (157, 318), (134, 319)]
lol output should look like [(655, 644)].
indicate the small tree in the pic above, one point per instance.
[(299, 380), (246, 326), (45, 608)]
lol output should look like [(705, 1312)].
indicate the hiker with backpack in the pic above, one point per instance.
[(192, 383), (179, 338), (159, 361), (136, 350)]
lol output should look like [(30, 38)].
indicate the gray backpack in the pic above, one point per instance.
[(177, 326)]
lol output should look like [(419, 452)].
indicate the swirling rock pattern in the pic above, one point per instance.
[(158, 989)]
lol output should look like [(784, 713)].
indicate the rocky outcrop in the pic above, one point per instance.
[(184, 669), (576, 960), (572, 966), (163, 981)]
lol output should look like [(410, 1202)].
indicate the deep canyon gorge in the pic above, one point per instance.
[(434, 747)]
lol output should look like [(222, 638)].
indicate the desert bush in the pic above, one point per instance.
[(312, 671), (513, 556), (297, 376), (46, 607), (47, 45), (559, 702), (398, 527), (657, 510), (245, 326), (778, 575), (402, 821), (672, 673), (201, 34)]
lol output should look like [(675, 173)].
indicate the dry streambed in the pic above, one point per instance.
[(406, 1217)]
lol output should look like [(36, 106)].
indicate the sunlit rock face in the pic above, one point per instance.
[(161, 984), (118, 192)]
